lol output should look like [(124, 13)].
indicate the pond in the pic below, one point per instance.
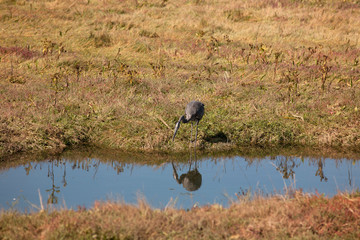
[(74, 180)]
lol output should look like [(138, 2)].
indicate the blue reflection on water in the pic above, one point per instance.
[(69, 183)]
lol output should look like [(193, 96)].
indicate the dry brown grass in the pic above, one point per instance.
[(298, 217)]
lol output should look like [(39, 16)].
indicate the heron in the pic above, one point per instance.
[(194, 112)]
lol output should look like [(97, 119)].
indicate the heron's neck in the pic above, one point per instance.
[(183, 119)]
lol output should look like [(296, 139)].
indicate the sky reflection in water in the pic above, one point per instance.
[(73, 183)]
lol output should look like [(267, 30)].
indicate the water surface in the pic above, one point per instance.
[(79, 181)]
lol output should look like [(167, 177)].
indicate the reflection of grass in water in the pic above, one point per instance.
[(106, 155), (122, 79), (48, 206), (285, 176), (29, 206), (15, 202)]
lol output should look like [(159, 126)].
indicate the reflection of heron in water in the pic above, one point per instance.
[(191, 180)]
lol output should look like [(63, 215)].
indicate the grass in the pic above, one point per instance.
[(119, 74), (297, 217)]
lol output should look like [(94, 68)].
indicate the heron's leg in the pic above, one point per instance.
[(190, 163), (191, 131), (190, 159), (197, 122)]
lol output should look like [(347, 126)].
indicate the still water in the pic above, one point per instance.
[(72, 182)]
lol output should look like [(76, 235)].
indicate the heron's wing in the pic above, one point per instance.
[(194, 110)]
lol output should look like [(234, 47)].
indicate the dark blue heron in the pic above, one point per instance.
[(194, 111)]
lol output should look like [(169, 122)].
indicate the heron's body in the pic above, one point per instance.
[(194, 112)]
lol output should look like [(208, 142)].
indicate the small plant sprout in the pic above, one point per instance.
[(324, 69)]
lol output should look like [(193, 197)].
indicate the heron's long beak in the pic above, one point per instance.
[(177, 126)]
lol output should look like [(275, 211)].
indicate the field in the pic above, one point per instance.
[(119, 73)]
